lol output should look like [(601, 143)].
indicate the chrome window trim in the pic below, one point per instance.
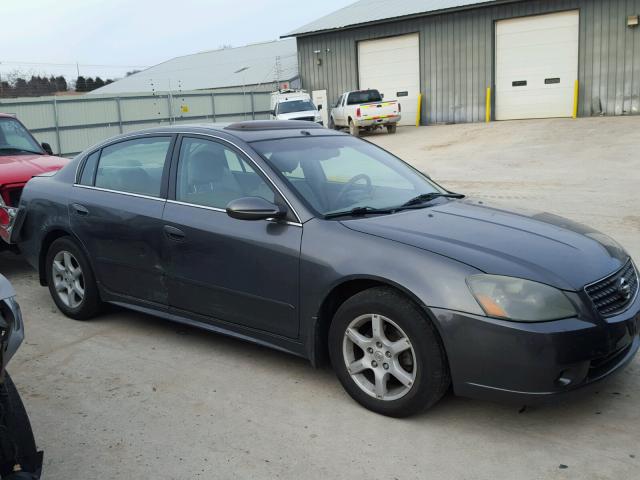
[(129, 194), (158, 134), (222, 210)]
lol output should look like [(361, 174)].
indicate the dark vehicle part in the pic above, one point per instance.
[(19, 457), (507, 305)]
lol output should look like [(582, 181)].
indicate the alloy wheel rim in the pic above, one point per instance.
[(379, 357), (68, 279)]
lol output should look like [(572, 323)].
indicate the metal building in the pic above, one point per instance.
[(255, 67), (468, 61)]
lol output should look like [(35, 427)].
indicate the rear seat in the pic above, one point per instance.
[(130, 179)]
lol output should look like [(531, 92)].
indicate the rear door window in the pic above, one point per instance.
[(134, 166)]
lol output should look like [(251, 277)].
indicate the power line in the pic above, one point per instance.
[(3, 62)]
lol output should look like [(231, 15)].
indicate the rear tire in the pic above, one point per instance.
[(71, 280), (353, 130), (391, 128), (398, 372)]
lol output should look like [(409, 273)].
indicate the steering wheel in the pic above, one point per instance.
[(351, 185)]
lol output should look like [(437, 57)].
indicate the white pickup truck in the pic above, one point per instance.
[(365, 109)]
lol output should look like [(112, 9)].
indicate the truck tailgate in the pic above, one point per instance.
[(375, 111)]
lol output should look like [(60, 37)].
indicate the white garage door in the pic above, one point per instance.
[(392, 66), (536, 66)]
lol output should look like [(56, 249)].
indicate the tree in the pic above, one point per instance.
[(61, 84), (132, 72), (91, 84), (99, 82), (20, 87), (108, 82), (81, 84)]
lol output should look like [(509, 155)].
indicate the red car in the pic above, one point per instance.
[(21, 158)]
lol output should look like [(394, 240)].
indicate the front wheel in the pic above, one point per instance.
[(387, 354), (71, 281)]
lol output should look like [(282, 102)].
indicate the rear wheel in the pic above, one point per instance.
[(391, 128), (353, 129), (71, 281), (387, 354)]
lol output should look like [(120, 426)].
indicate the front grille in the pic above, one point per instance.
[(306, 119), (614, 293)]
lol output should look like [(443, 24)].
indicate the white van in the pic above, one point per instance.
[(294, 105)]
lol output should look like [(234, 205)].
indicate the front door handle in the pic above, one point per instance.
[(80, 209), (174, 233)]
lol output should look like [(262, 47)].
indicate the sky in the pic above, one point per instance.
[(109, 38)]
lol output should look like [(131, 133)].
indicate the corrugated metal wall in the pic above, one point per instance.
[(457, 57), (72, 124)]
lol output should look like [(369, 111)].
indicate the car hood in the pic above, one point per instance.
[(537, 246), (20, 168), (294, 115)]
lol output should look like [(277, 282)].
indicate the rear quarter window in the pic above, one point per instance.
[(89, 169)]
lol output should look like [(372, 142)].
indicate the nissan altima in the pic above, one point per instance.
[(328, 247)]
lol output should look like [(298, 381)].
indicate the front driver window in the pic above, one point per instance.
[(211, 174)]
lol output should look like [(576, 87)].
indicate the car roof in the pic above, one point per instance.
[(247, 131)]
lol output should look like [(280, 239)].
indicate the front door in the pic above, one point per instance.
[(222, 269)]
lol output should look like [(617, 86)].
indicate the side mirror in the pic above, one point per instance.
[(319, 107), (254, 208), (47, 148)]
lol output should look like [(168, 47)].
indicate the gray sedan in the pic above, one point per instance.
[(328, 247)]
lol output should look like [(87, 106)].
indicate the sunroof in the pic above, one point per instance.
[(273, 125)]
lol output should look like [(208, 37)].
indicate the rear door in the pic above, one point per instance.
[(116, 212), (222, 269)]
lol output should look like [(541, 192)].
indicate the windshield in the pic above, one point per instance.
[(366, 96), (295, 106), (335, 174), (15, 139)]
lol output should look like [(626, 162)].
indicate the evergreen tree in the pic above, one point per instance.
[(61, 84), (91, 84), (99, 82), (20, 87), (81, 84)]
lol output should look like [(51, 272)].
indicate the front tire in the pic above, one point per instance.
[(387, 353), (71, 280)]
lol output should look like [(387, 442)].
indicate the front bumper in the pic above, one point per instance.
[(528, 362)]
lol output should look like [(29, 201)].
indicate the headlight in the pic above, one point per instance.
[(520, 300)]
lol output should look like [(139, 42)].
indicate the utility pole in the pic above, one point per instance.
[(278, 72), (78, 69)]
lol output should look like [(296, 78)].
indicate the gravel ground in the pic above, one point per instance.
[(131, 396)]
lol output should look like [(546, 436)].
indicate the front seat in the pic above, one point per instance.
[(209, 180)]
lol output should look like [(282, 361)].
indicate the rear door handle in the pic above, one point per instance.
[(174, 233), (79, 209)]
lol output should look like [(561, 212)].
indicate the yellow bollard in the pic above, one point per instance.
[(488, 107), (576, 91), (419, 113)]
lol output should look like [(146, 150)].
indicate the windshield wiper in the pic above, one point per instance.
[(14, 149), (359, 211), (427, 197)]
